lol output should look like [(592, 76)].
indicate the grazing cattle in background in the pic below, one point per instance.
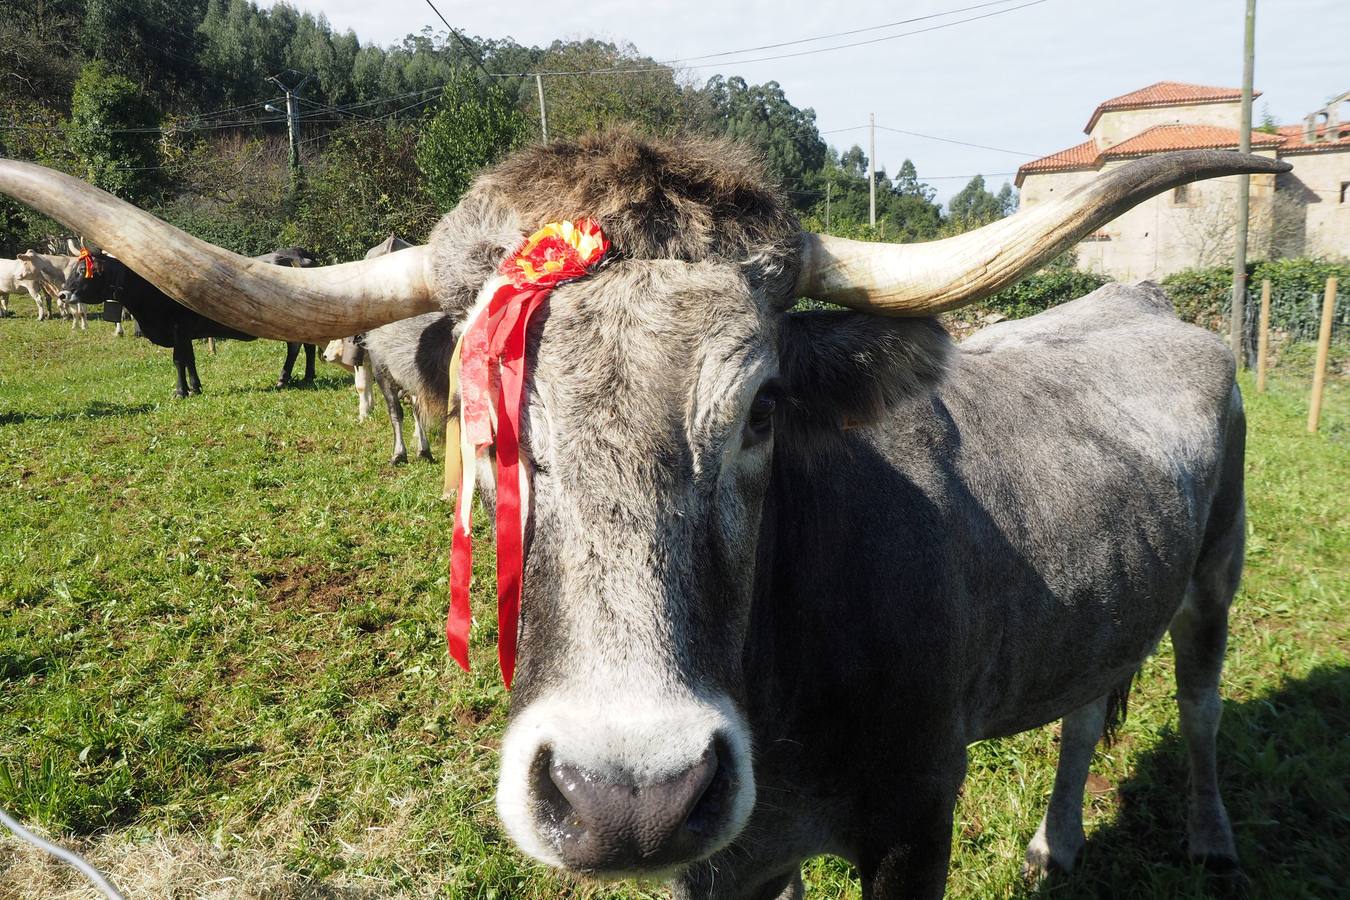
[(299, 258), (51, 271), (352, 356), (165, 322), (17, 275), (408, 358), (781, 568)]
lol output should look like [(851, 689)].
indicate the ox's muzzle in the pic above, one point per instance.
[(612, 792)]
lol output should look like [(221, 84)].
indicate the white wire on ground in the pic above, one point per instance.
[(94, 875)]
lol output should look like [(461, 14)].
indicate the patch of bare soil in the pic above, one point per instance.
[(308, 587)]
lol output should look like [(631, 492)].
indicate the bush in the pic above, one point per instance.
[(225, 228), (1203, 296), (1057, 283)]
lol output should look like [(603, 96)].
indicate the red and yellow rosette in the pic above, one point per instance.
[(87, 259), (488, 372)]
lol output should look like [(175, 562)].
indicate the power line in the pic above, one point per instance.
[(465, 44), (933, 137), (826, 37), (618, 70)]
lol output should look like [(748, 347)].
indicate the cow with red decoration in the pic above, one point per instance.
[(765, 574)]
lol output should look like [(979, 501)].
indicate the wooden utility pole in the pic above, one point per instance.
[(1323, 349), (292, 124), (872, 170), (543, 113), (1263, 338), (1237, 321)]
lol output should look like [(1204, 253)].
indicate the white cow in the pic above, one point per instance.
[(347, 353), (52, 272), (17, 275)]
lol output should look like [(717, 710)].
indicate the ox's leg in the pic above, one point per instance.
[(1199, 636), (309, 363), (390, 391), (180, 353), (420, 433), (910, 863), (1060, 837), (186, 357), (365, 397), (292, 351)]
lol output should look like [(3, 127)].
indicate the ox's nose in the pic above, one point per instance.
[(608, 826)]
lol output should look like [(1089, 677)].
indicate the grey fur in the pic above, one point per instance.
[(929, 546)]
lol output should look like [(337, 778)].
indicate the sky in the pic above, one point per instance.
[(1025, 79)]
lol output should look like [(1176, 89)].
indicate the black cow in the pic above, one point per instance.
[(165, 322)]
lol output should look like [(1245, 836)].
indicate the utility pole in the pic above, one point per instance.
[(872, 170), (292, 124), (1237, 322), (543, 113)]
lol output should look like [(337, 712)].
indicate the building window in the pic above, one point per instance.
[(1345, 191), (1181, 195)]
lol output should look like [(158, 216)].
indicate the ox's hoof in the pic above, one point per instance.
[(426, 454), (1227, 879), (398, 459)]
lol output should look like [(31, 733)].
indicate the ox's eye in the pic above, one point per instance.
[(759, 423)]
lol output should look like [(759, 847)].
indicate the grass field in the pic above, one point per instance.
[(223, 670)]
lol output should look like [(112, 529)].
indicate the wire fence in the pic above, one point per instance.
[(1295, 318)]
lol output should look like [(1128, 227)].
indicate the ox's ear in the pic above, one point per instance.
[(842, 369)]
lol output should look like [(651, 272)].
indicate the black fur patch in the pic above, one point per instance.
[(842, 369)]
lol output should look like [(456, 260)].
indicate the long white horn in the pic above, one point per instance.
[(312, 305), (928, 278)]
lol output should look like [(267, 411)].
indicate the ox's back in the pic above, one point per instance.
[(1021, 538)]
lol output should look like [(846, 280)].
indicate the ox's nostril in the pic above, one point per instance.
[(612, 823), (714, 805)]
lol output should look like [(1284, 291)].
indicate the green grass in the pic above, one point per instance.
[(223, 670)]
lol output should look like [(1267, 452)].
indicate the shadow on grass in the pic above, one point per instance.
[(1284, 766), (333, 382), (94, 409)]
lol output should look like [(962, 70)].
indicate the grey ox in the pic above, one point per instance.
[(783, 568)]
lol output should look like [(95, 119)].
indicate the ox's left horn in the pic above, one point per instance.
[(928, 278), (312, 305)]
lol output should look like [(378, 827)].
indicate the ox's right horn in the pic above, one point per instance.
[(928, 278), (280, 302)]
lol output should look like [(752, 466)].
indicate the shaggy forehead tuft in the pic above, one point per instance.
[(688, 199)]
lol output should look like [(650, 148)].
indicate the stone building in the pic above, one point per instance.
[(1303, 213)]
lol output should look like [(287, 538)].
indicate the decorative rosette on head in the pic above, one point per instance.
[(87, 259), (488, 372)]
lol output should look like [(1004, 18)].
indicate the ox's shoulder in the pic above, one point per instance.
[(1109, 309), (1126, 322)]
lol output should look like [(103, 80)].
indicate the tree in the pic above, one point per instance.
[(113, 134), (649, 99), (364, 186), (760, 115), (974, 206), (473, 128), (907, 183)]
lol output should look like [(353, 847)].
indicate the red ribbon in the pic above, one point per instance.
[(493, 367), (88, 259)]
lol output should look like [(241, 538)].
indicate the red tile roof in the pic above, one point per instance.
[(1162, 138), (1166, 93), (1294, 142), (1158, 139), (1080, 156)]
